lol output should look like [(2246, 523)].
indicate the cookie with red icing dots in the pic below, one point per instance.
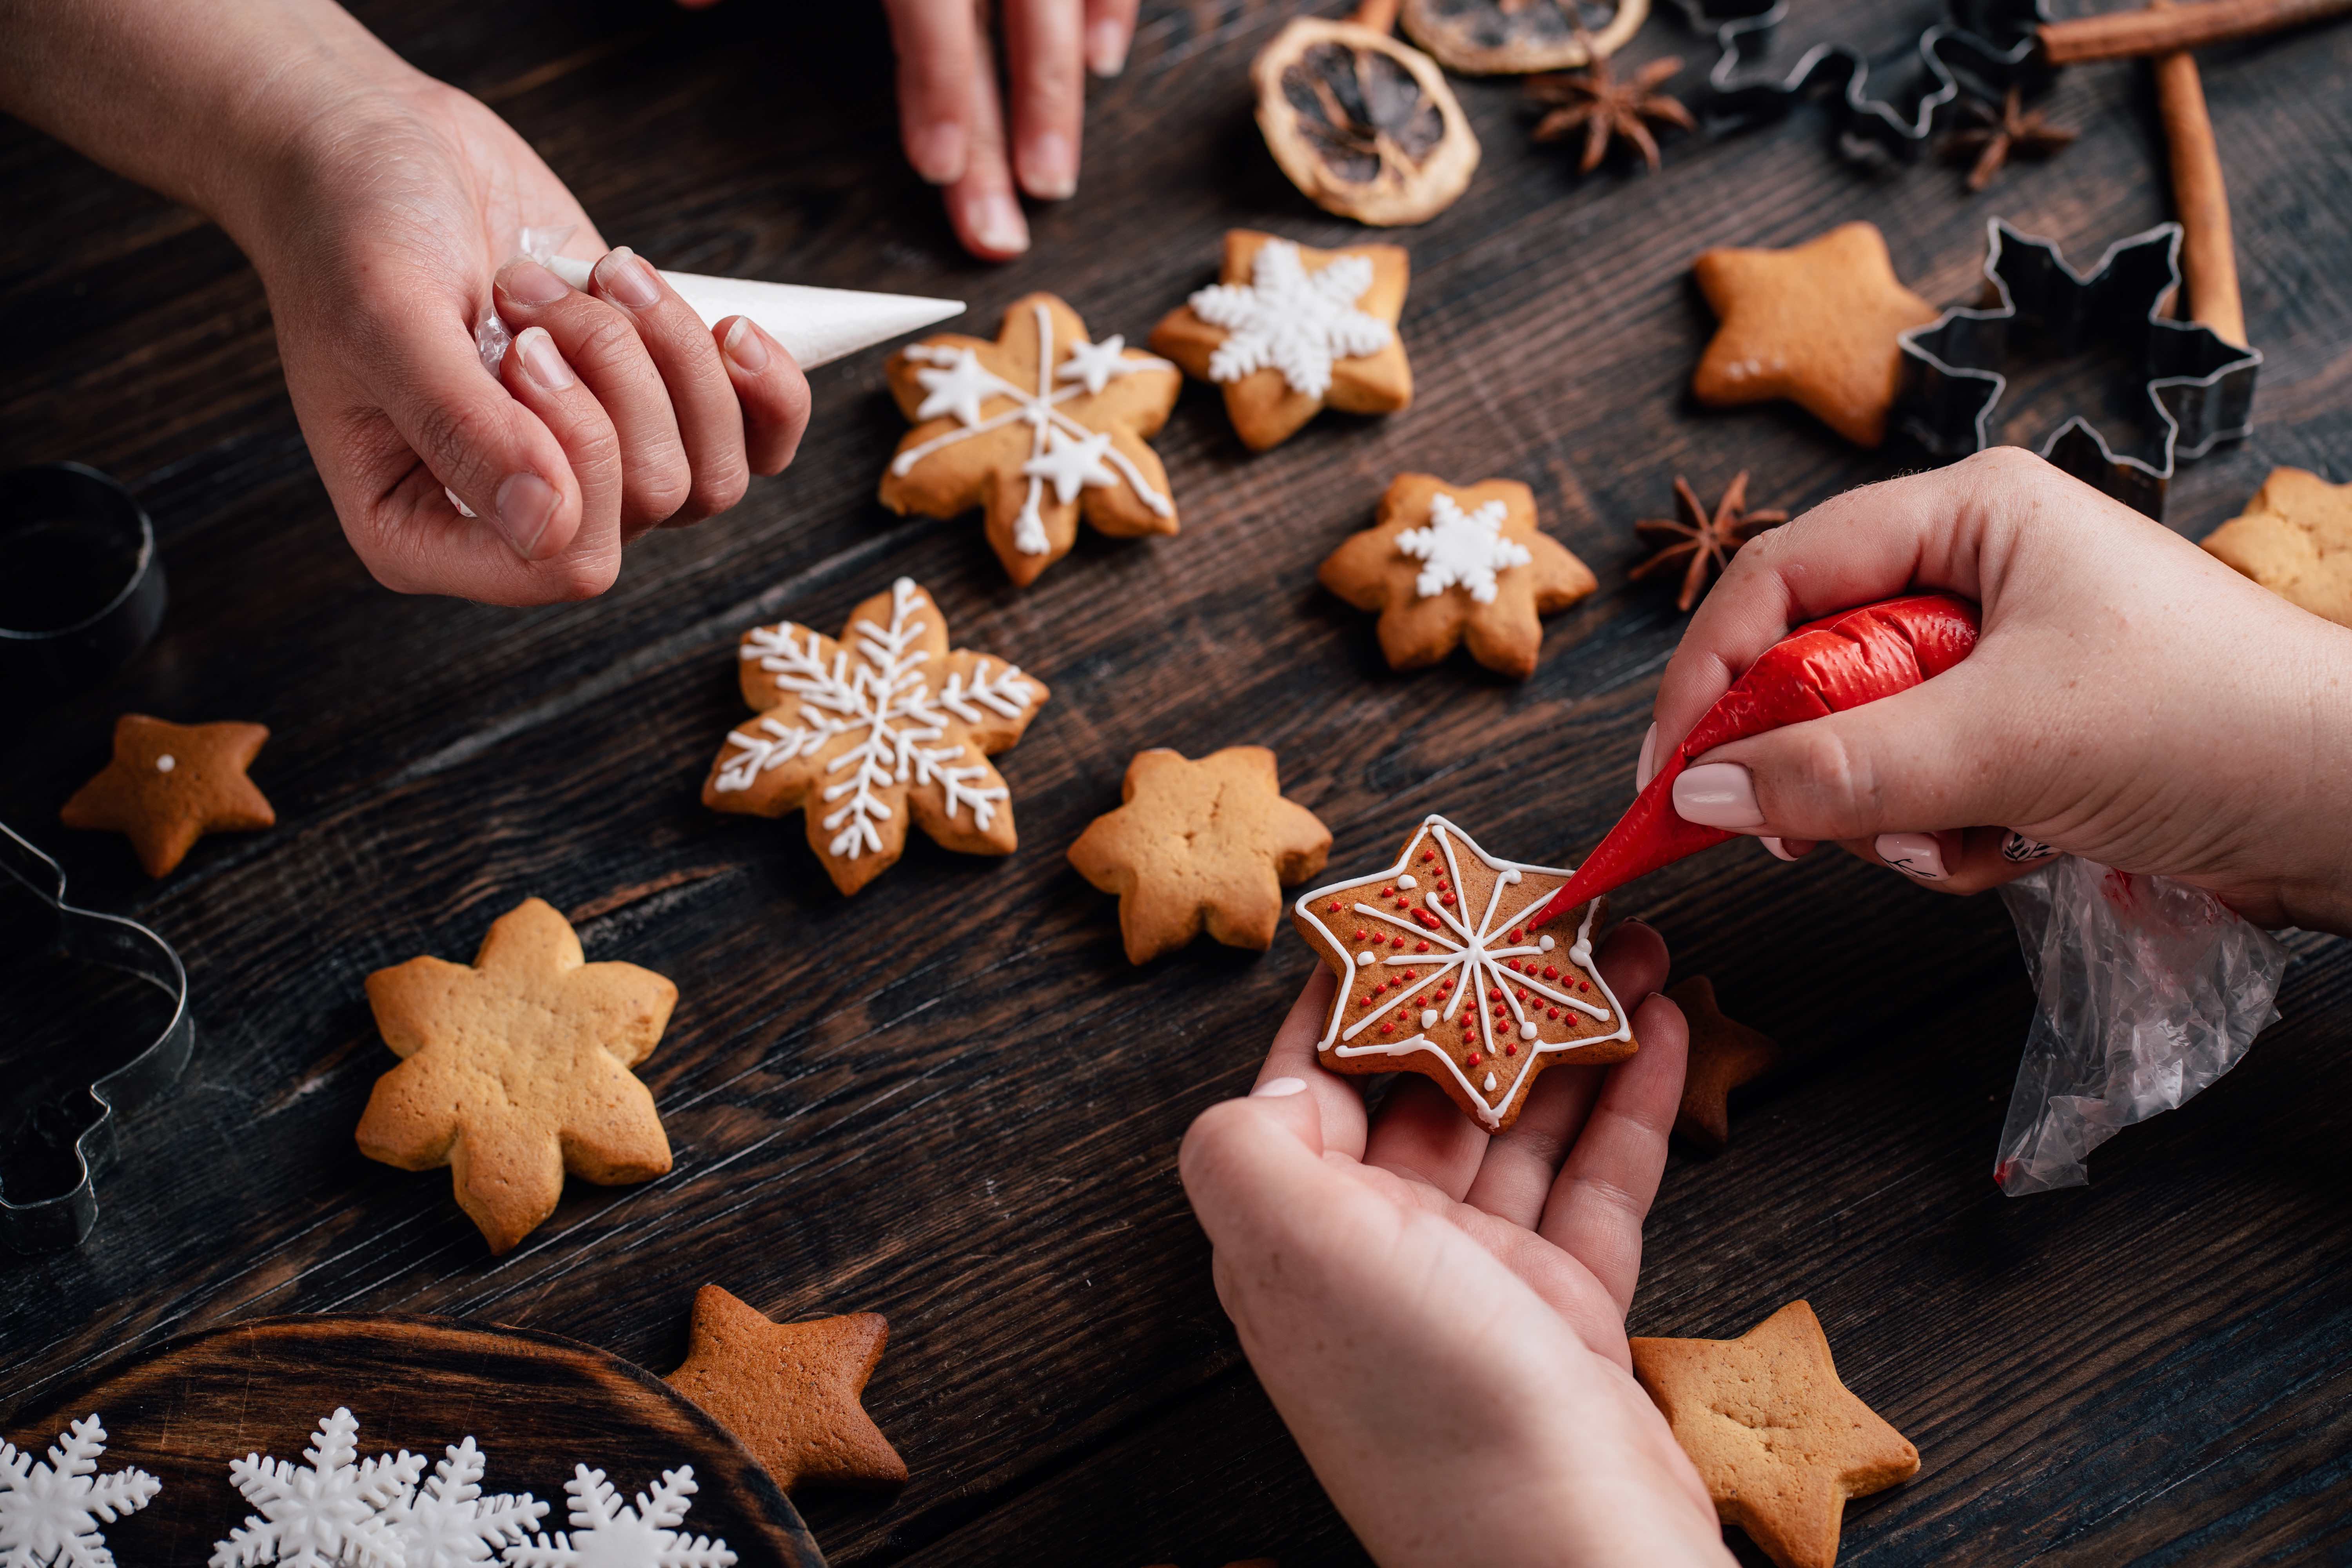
[(1439, 975)]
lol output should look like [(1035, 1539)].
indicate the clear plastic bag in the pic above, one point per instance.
[(2146, 992)]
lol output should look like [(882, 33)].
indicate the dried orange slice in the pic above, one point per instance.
[(1495, 37), (1363, 125)]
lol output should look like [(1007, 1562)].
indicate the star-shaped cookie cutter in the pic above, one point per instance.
[(56, 1223), (2201, 384)]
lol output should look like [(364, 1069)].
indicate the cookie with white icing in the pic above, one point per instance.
[(1450, 564), (1289, 330), (1440, 975)]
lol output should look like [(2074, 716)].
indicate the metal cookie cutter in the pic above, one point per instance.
[(55, 1223), (81, 586), (2200, 384)]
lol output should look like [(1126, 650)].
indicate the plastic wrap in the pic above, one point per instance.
[(2146, 992)]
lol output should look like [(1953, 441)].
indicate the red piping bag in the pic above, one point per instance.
[(1827, 666)]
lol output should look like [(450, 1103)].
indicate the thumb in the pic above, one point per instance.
[(1243, 1160)]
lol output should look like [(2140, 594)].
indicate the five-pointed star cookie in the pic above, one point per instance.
[(1780, 1443), (1815, 324), (869, 732), (1446, 564), (170, 785), (2295, 538), (1724, 1055), (1289, 330), (1039, 426), (517, 1070), (790, 1392), (1209, 842)]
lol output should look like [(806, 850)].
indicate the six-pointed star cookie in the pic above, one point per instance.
[(1724, 1055), (1288, 330), (517, 1070), (866, 732), (1780, 1443), (1209, 842), (1815, 324), (790, 1392), (1446, 564), (2295, 538), (170, 785), (1038, 426), (1438, 976)]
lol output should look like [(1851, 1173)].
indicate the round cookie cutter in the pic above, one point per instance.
[(81, 583)]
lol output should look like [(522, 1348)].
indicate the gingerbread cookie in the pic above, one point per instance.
[(1209, 842), (1724, 1055), (1438, 974), (1040, 426), (1780, 1443), (2295, 538), (515, 1070), (789, 1391), (1446, 564), (866, 732), (1288, 332), (170, 785), (1815, 324)]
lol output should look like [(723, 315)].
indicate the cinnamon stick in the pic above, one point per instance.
[(2132, 35), (1380, 15), (2208, 257)]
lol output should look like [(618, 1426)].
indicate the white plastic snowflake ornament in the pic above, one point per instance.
[(1462, 549), (331, 1514), (883, 727), (607, 1534), (448, 1523), (50, 1511)]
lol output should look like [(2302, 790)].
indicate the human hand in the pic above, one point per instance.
[(2131, 700), (1440, 1315)]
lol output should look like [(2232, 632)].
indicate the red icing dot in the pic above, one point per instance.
[(1494, 994), (1519, 935), (1387, 1028), (1421, 947), (1334, 910), (1550, 972), (1359, 933), (1470, 1060), (1551, 1012), (1396, 942), (1509, 1049)]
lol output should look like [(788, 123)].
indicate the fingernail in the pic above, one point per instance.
[(1779, 851), (628, 277), (526, 505), (1913, 854), (527, 281), (1718, 795), (2017, 848), (1049, 167), (542, 361), (937, 152), (1107, 43), (997, 223), (1646, 768), (1274, 1088), (743, 344)]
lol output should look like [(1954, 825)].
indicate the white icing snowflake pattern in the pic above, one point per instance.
[(955, 383), (885, 696), (1462, 549), (448, 1523), (330, 1514), (607, 1534), (50, 1511), (1295, 320)]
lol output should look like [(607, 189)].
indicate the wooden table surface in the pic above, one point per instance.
[(951, 1100)]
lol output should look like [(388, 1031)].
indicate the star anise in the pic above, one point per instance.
[(1608, 109), (1999, 135), (1706, 543)]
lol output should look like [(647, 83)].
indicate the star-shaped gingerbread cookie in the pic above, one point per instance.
[(1815, 324), (170, 785), (1724, 1055), (2295, 538), (1209, 842), (1288, 332), (1446, 564), (789, 1391), (1780, 1443), (1040, 426), (515, 1070)]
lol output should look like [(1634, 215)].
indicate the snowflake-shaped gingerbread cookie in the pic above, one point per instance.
[(50, 1511), (1288, 330), (1040, 427), (1448, 564), (1440, 975), (883, 727), (330, 1512), (608, 1533)]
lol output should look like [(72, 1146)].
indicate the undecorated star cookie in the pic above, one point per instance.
[(1288, 331), (1780, 1443), (2295, 538), (1209, 842), (1815, 324), (1040, 427), (1439, 975), (790, 1392), (1446, 564), (515, 1070), (867, 733), (170, 785), (1724, 1055)]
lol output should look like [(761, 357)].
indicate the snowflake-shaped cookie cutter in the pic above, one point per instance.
[(2198, 383), (62, 1220)]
